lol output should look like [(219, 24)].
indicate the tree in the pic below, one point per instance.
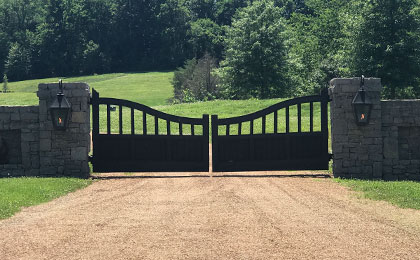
[(255, 64), (196, 81), (4, 50), (206, 37), (94, 60), (226, 9), (201, 9), (18, 64), (387, 46), (173, 24), (319, 43), (5, 81)]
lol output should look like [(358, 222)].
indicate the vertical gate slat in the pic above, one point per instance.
[(275, 122), (120, 120), (287, 119), (180, 128), (240, 128), (227, 129), (214, 138), (192, 129), (168, 127), (299, 115), (205, 142), (144, 124), (263, 124), (324, 124), (156, 126), (251, 127), (108, 119), (95, 125), (311, 116), (95, 113), (132, 121)]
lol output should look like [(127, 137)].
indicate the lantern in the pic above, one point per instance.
[(60, 110), (362, 106)]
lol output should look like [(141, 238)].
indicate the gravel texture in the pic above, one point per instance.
[(259, 215)]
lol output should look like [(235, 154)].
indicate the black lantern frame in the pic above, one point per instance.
[(60, 110), (362, 105)]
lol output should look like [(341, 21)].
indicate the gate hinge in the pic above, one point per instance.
[(330, 156), (90, 158)]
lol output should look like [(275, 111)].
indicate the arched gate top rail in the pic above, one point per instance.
[(270, 109)]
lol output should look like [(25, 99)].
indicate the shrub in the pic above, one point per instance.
[(5, 81), (196, 81)]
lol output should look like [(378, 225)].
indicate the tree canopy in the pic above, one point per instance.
[(255, 63), (266, 48)]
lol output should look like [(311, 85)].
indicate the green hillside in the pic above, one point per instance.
[(151, 88)]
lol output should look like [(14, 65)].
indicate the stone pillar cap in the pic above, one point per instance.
[(351, 85)]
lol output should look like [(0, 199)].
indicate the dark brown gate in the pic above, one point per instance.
[(149, 150), (299, 149)]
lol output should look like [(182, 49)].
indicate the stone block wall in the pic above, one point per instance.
[(65, 152), (401, 137), (45, 151), (357, 150), (19, 134), (387, 148)]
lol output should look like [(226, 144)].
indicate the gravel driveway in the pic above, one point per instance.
[(254, 216)]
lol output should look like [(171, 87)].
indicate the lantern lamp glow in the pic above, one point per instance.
[(60, 110)]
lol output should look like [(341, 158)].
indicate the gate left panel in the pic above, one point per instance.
[(154, 141)]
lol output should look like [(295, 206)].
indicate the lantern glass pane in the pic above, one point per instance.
[(59, 117), (362, 113)]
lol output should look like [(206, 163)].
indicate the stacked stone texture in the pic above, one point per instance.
[(65, 153), (357, 150), (401, 137), (24, 121), (43, 150)]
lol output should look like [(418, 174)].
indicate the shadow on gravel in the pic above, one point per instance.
[(214, 176), (149, 177), (274, 176)]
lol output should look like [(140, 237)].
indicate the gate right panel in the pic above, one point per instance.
[(299, 142)]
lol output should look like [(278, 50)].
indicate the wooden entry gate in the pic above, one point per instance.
[(148, 149), (300, 149), (252, 147)]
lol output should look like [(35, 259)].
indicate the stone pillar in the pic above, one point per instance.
[(65, 153), (357, 150)]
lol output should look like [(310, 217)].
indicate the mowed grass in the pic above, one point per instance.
[(16, 193), (404, 194), (222, 108), (151, 88)]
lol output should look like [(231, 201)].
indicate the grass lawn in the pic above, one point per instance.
[(404, 194), (223, 108), (16, 193), (152, 88)]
